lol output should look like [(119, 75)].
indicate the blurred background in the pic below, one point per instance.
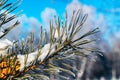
[(104, 14)]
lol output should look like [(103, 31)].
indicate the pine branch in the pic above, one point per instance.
[(21, 58)]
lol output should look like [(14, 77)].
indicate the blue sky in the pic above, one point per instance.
[(109, 9), (34, 8)]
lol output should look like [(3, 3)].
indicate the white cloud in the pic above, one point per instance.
[(47, 14), (33, 25), (75, 5), (94, 19), (27, 25), (114, 10), (117, 35)]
